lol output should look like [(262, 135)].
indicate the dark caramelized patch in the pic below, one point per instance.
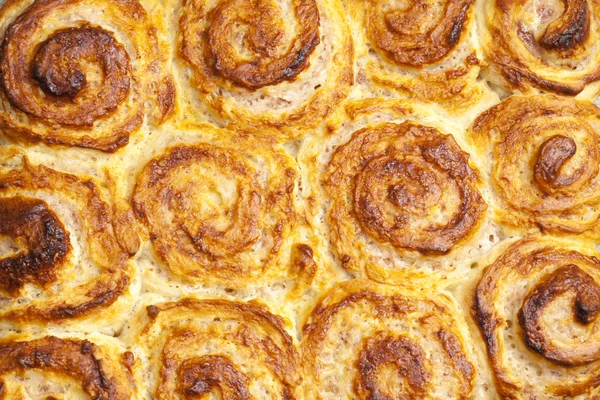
[(58, 66), (570, 30), (269, 64), (586, 307), (553, 154), (303, 268), (30, 222), (420, 35), (198, 377), (407, 359)]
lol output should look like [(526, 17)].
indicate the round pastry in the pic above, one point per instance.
[(64, 254), (66, 367), (370, 341), (221, 211), (197, 347), (544, 169), (283, 64), (537, 308), (397, 189), (427, 50), (542, 46), (75, 76)]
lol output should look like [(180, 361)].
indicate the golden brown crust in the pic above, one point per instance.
[(303, 269), (425, 50), (389, 179), (386, 335), (235, 236), (547, 319), (220, 56), (550, 47), (242, 52), (395, 31), (241, 349), (80, 360), (47, 255), (545, 156), (585, 308), (63, 365), (78, 85), (31, 221)]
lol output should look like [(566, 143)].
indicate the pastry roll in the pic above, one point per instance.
[(541, 155), (396, 194), (283, 64), (81, 72), (372, 341), (537, 306), (65, 366), (197, 347), (546, 46), (220, 210), (427, 50), (65, 254)]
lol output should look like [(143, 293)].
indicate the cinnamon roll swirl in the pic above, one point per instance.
[(535, 46), (369, 341), (221, 212), (544, 153), (197, 347), (71, 74), (397, 189), (425, 49), (537, 306), (283, 64), (64, 367), (65, 257)]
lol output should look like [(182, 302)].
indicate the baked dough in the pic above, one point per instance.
[(395, 193), (361, 331), (79, 77), (536, 307), (194, 347), (68, 257), (542, 160), (299, 199), (220, 209), (540, 46), (68, 365), (423, 50), (258, 64)]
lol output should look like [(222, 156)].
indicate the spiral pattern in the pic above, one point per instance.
[(218, 215), (403, 185), (53, 367), (537, 308), (239, 50), (198, 347), (545, 154), (393, 31), (68, 256), (369, 341), (549, 46), (424, 48), (80, 81)]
